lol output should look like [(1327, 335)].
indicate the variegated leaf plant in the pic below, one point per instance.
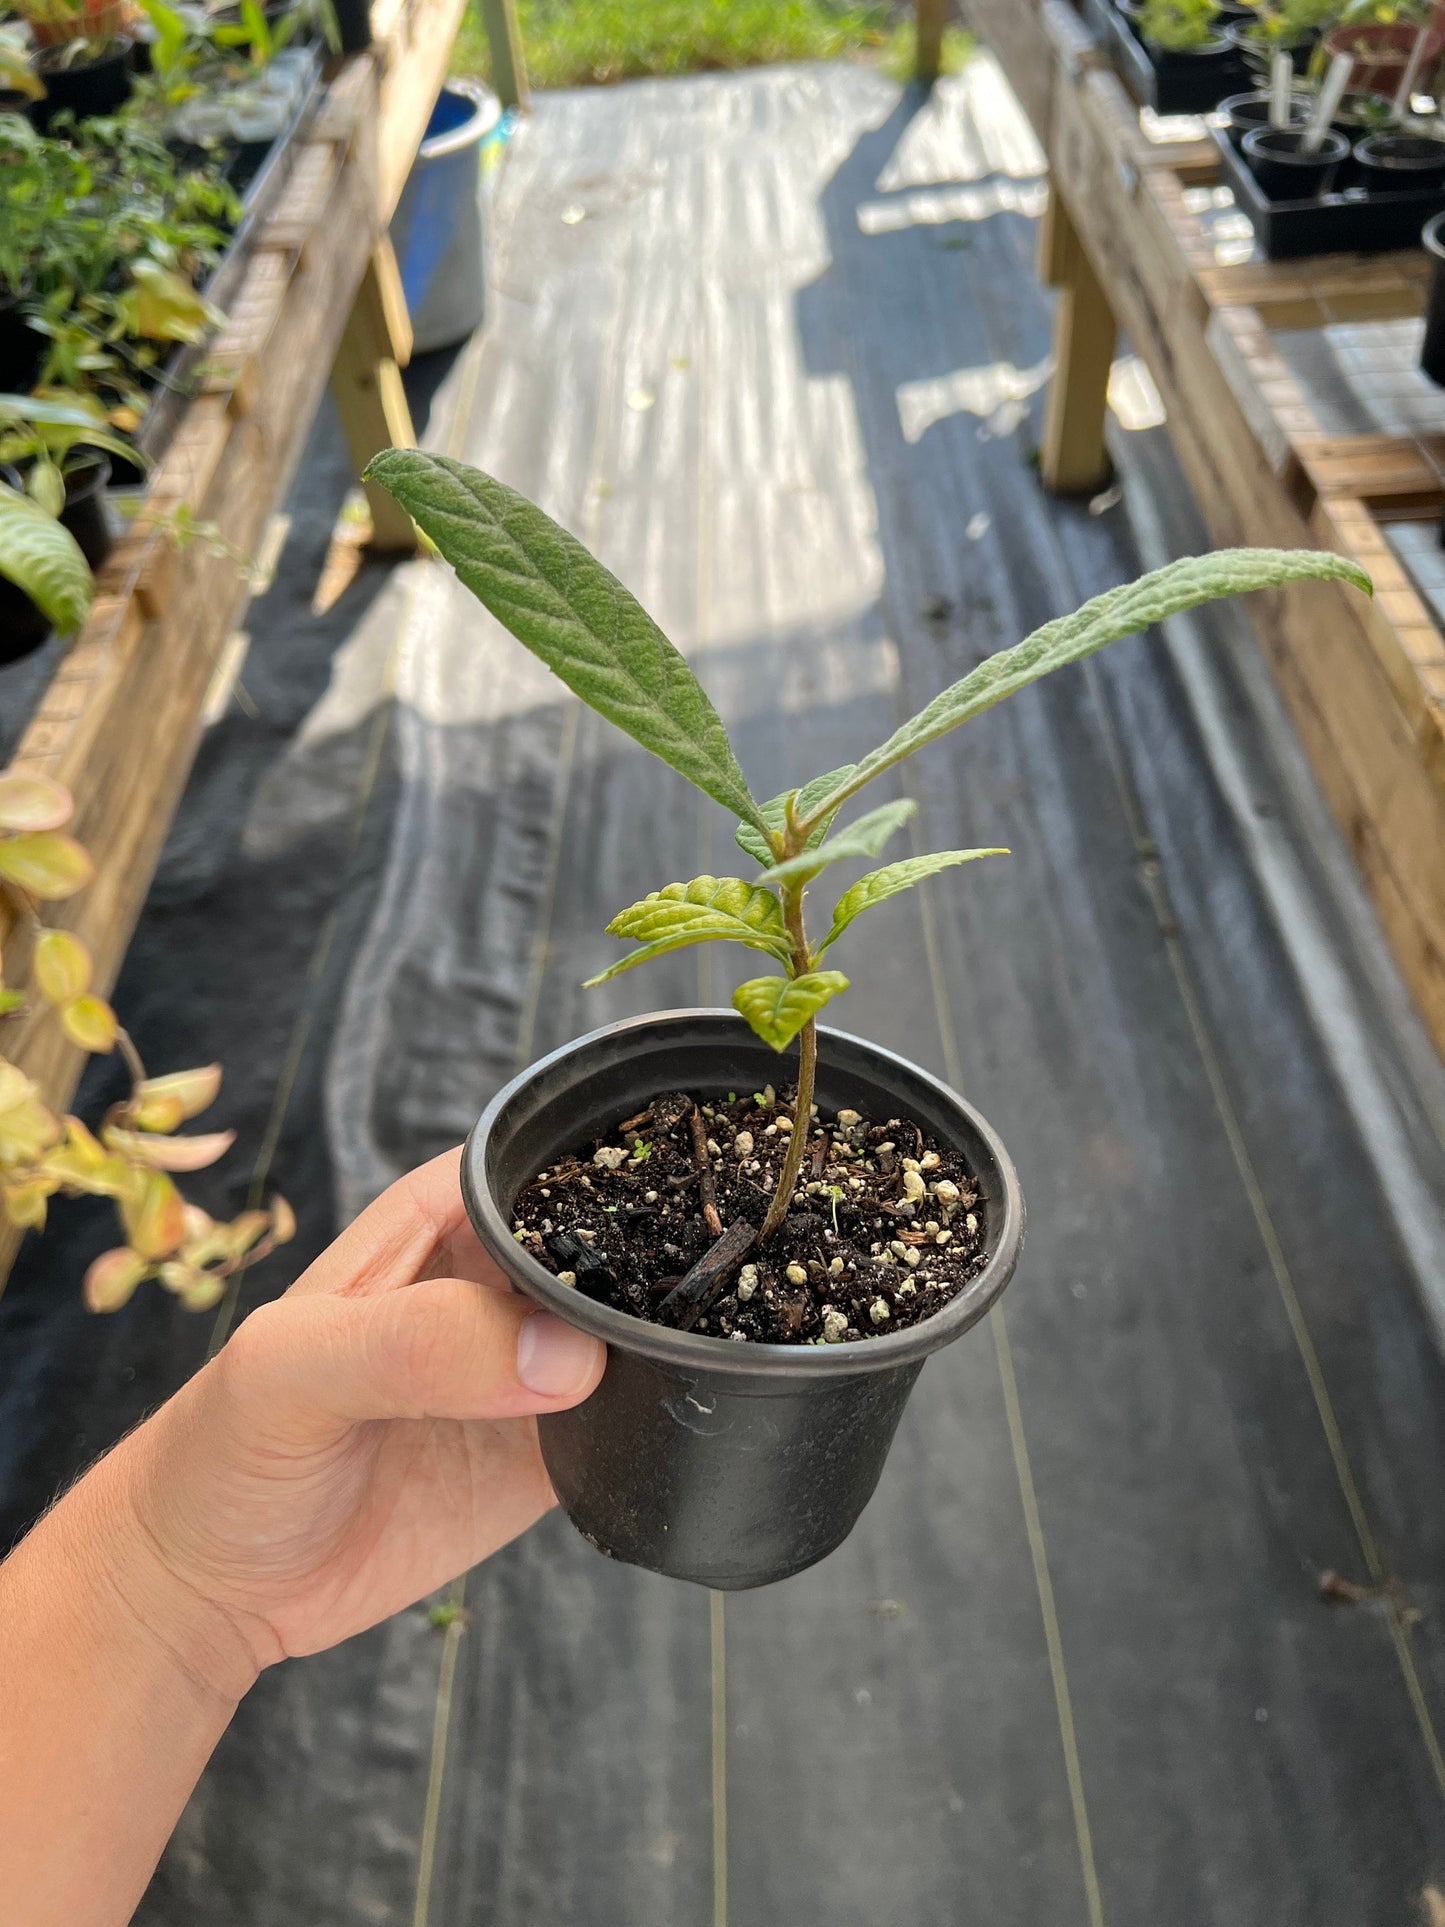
[(132, 1159)]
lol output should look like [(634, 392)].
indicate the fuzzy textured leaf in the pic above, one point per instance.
[(879, 885), (62, 966), (33, 802), (1118, 612), (559, 602), (41, 557), (48, 865), (778, 1007), (866, 837), (724, 909)]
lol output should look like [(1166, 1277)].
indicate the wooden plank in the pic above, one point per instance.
[(931, 18), (367, 386), (509, 67), (1074, 459), (1397, 474)]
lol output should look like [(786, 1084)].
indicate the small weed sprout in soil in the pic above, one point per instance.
[(564, 606)]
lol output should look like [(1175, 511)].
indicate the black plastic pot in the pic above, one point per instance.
[(1394, 163), (22, 350), (1432, 349), (84, 88), (731, 1465), (22, 627), (85, 513), (1243, 36), (1244, 112), (1284, 171), (353, 20)]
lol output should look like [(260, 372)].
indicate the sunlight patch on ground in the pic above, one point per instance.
[(1135, 401), (971, 201), (994, 393), (970, 127)]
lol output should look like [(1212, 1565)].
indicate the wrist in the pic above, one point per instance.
[(149, 1609)]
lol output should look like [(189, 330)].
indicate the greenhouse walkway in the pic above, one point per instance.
[(774, 345)]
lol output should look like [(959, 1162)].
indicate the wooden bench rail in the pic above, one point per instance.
[(1125, 243)]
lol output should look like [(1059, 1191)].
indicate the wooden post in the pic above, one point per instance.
[(932, 19), (509, 68), (366, 382), (1075, 460)]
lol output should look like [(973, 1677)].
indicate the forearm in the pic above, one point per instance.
[(114, 1687)]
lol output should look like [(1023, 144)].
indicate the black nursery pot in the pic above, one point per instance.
[(730, 1465), (86, 89), (22, 349), (1285, 172), (1245, 112), (85, 513), (1432, 349), (1390, 163), (22, 627), (353, 22)]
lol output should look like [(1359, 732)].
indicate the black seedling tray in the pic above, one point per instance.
[(1348, 222), (1172, 83)]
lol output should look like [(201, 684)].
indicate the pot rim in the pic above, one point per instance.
[(697, 1350), (1432, 236), (1369, 151), (1233, 102), (1332, 149)]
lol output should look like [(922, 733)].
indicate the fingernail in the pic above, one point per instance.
[(554, 1359)]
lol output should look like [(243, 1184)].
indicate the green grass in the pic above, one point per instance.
[(571, 43)]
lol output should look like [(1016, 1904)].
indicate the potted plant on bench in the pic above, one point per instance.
[(769, 1264)]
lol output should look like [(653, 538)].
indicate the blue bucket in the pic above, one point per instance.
[(439, 228)]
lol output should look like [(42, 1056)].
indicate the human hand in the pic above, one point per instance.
[(357, 1443)]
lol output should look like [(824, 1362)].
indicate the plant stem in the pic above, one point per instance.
[(797, 1143), (801, 961), (132, 1058)]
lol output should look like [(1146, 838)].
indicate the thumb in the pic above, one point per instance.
[(443, 1348)]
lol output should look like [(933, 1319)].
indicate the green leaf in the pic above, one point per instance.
[(866, 837), (778, 1007), (722, 908), (43, 558), (559, 602), (1119, 612), (775, 814), (879, 885)]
